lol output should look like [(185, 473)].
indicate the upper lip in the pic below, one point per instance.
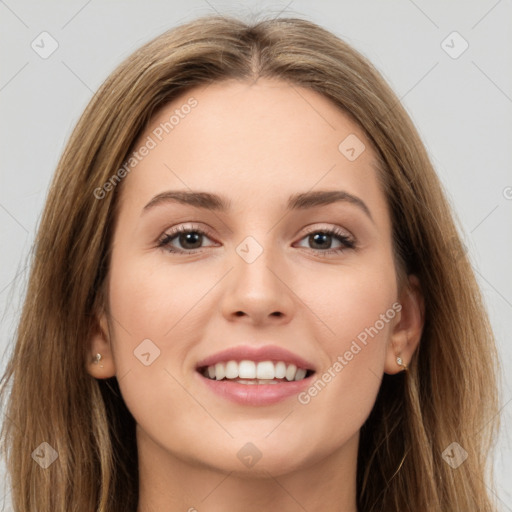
[(256, 354)]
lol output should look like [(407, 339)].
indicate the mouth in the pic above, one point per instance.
[(255, 375), (255, 372)]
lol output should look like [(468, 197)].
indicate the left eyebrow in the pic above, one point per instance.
[(214, 202), (326, 197)]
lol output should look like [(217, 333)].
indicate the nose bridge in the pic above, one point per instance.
[(256, 263), (256, 287)]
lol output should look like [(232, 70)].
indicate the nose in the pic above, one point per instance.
[(258, 291)]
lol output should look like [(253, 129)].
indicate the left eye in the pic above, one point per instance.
[(190, 240), (325, 237)]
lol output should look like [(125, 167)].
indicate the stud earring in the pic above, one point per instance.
[(400, 362), (97, 359)]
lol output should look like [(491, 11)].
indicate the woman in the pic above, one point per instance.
[(323, 342)]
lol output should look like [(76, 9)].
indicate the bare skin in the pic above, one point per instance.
[(256, 144)]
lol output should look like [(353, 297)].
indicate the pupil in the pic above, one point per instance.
[(323, 236), (188, 238)]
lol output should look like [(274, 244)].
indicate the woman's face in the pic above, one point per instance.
[(255, 272)]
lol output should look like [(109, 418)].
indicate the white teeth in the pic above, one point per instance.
[(247, 369), (240, 381), (280, 370), (263, 372), (231, 370), (290, 372), (301, 373), (220, 371)]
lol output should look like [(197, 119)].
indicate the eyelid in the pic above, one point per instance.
[(332, 227), (185, 227)]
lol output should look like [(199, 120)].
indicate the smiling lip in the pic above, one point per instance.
[(255, 394), (256, 354)]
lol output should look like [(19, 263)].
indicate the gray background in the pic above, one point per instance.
[(462, 107)]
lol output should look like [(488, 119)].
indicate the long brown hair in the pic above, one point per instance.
[(450, 393)]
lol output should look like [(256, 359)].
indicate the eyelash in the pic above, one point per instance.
[(164, 242)]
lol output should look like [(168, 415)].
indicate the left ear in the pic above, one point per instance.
[(406, 333)]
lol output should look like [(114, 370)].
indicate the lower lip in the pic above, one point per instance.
[(255, 394)]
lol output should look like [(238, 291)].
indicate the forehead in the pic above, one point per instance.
[(252, 142)]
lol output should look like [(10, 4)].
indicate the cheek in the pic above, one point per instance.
[(148, 310), (150, 298), (352, 301), (151, 310), (359, 309)]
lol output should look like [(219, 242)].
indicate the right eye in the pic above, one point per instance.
[(186, 236)]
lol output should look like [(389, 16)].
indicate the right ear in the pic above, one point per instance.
[(99, 343)]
